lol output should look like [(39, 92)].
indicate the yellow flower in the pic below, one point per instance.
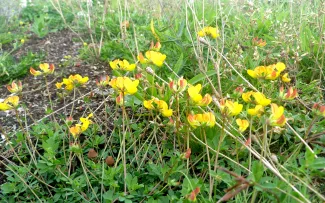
[(167, 112), (194, 93), (122, 65), (285, 78), (247, 96), (209, 31), (141, 59), (124, 85), (257, 111), (85, 44), (72, 82), (75, 130), (280, 66), (161, 106), (207, 119), (196, 97), (79, 128), (45, 67), (9, 103), (270, 72), (261, 99), (231, 108), (277, 117), (15, 87), (206, 100), (155, 57), (22, 41), (192, 120), (243, 124), (148, 104), (85, 122)]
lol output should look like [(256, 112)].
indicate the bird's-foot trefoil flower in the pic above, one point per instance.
[(291, 93), (118, 64), (196, 97), (205, 119), (15, 87), (319, 109), (230, 108), (277, 117), (258, 42), (270, 72), (9, 103), (209, 31), (261, 99), (258, 110), (45, 69), (103, 81), (285, 78), (120, 99), (155, 47), (72, 82), (192, 196), (242, 124), (77, 129), (159, 105), (124, 85), (178, 86), (153, 57)]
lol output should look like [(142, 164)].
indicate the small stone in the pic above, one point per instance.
[(92, 154), (110, 161)]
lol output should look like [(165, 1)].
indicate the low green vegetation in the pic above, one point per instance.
[(208, 101)]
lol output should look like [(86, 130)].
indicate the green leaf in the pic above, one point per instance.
[(109, 195), (8, 188), (318, 163), (201, 76), (178, 66), (257, 170), (310, 157)]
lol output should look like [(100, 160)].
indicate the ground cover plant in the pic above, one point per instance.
[(141, 101)]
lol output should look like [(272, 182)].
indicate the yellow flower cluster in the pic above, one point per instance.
[(205, 119), (160, 105), (153, 57), (196, 97), (45, 69), (9, 103), (124, 85), (72, 82), (79, 128), (230, 108), (122, 65), (270, 72), (209, 31)]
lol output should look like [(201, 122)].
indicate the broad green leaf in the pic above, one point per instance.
[(178, 66), (201, 76)]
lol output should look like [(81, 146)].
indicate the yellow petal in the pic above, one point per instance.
[(251, 73)]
